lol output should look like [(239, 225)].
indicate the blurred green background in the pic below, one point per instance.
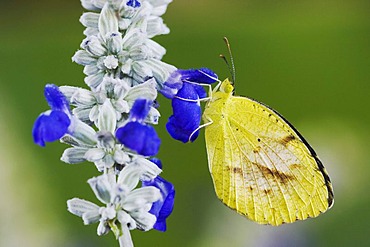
[(310, 60)]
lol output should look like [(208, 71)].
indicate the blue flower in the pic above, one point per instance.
[(136, 135), (133, 3), (53, 124), (164, 206), (186, 116)]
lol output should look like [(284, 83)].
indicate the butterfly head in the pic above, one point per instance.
[(227, 86)]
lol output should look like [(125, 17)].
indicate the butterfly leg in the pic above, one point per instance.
[(204, 85), (189, 100), (208, 85), (200, 127), (204, 73)]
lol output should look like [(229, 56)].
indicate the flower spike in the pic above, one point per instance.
[(110, 122)]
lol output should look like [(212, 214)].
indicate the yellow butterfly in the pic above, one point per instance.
[(261, 166)]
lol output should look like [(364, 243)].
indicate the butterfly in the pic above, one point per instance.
[(261, 166)]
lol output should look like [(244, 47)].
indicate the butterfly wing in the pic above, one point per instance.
[(261, 166)]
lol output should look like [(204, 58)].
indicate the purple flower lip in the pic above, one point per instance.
[(176, 80), (53, 124), (135, 134), (133, 3), (163, 207), (184, 123)]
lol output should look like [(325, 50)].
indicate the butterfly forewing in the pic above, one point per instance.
[(260, 165)]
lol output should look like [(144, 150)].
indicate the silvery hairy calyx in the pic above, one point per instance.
[(110, 122)]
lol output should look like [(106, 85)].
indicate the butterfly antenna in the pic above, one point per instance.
[(232, 67), (227, 63)]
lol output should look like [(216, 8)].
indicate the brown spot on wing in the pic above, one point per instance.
[(274, 174), (257, 149), (285, 140), (236, 170), (267, 191), (295, 166)]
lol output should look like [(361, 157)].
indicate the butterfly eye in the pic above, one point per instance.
[(229, 88)]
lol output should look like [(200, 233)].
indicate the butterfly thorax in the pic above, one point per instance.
[(219, 99)]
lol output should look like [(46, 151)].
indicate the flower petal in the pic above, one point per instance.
[(200, 91), (83, 58), (79, 206), (74, 155), (186, 115), (83, 132), (120, 157), (139, 137), (94, 80), (93, 45), (156, 161), (108, 22), (111, 62), (133, 3), (129, 176), (153, 116), (138, 198), (103, 228), (144, 220), (106, 140), (114, 42), (150, 169), (90, 19), (91, 217), (175, 82), (145, 90), (107, 117), (108, 161), (102, 187), (56, 99), (50, 126), (202, 75), (163, 207), (125, 219), (94, 154), (140, 110)]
